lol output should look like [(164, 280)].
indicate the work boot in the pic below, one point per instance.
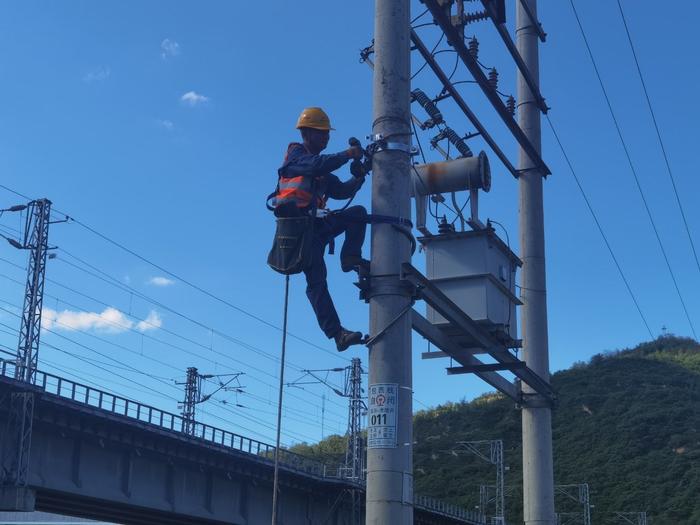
[(353, 262), (345, 338)]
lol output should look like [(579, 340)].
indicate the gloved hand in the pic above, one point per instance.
[(355, 152), (357, 169)]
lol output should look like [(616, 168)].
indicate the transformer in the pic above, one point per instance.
[(476, 270)]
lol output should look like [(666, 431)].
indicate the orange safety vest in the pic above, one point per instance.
[(297, 190)]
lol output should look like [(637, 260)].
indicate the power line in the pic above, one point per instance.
[(182, 279), (199, 288), (111, 280), (87, 361), (658, 135), (633, 169), (600, 227), (170, 345)]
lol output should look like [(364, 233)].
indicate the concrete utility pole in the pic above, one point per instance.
[(538, 476), (390, 418)]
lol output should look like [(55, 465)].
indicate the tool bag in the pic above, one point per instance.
[(294, 237), (291, 248)]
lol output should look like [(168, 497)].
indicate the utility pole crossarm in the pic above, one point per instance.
[(510, 45), (449, 88), (444, 21)]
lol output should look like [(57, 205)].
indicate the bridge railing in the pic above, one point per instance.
[(122, 406), (100, 399), (447, 509)]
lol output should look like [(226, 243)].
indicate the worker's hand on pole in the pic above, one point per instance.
[(355, 152), (357, 169)]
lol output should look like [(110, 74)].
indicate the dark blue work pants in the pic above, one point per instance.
[(350, 221)]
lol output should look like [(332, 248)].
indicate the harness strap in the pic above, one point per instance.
[(374, 218)]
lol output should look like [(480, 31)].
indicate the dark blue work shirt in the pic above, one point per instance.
[(300, 163)]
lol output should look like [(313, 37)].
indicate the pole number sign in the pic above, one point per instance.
[(381, 417)]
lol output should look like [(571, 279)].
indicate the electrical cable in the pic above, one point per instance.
[(420, 16), (131, 369), (109, 279), (199, 288), (442, 35), (170, 345), (658, 135), (599, 226), (185, 281), (633, 169)]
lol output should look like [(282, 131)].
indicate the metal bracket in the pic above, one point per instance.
[(379, 143), (534, 400), (368, 289)]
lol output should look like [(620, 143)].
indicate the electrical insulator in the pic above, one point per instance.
[(445, 227), (429, 107), (493, 78), (457, 142), (477, 16), (510, 105), (474, 47)]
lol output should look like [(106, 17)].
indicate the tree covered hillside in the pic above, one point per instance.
[(627, 423)]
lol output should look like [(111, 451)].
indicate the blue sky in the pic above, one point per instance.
[(161, 125)]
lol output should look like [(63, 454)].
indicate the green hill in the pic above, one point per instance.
[(627, 423)]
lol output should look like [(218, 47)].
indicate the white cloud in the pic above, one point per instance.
[(192, 98), (97, 75), (160, 281), (166, 124), (110, 320), (151, 322), (169, 49)]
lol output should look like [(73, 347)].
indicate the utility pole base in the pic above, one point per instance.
[(17, 499)]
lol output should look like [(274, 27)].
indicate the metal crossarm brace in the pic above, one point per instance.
[(449, 88), (489, 367), (453, 350), (458, 44), (510, 45), (457, 318)]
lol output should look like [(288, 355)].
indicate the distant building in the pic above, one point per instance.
[(44, 518)]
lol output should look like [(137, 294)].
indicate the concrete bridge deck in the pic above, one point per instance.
[(105, 457)]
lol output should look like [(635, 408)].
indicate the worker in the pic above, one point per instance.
[(305, 183)]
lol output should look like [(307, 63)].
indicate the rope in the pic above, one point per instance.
[(275, 483)]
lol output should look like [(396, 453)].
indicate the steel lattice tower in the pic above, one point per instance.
[(36, 239), (193, 395), (580, 494), (354, 455), (635, 518), (490, 451)]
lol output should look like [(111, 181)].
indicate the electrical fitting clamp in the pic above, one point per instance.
[(380, 144)]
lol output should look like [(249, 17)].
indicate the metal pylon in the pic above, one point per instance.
[(490, 451), (635, 518), (354, 455), (36, 240), (195, 396), (580, 494)]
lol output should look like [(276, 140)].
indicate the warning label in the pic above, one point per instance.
[(381, 417)]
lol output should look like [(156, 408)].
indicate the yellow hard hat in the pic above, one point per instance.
[(314, 118)]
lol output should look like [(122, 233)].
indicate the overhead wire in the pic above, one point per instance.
[(169, 345), (658, 135), (105, 277), (600, 227), (256, 420), (185, 281), (633, 169)]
